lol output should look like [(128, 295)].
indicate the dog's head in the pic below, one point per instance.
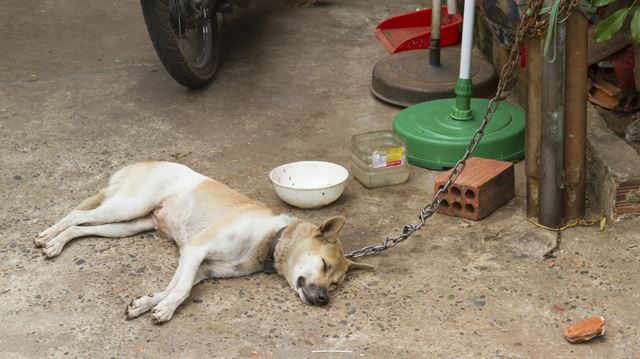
[(313, 261)]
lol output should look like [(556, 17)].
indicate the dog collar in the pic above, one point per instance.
[(270, 261)]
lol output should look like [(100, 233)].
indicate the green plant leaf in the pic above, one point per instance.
[(635, 25), (606, 29), (598, 3)]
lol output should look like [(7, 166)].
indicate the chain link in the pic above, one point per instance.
[(532, 24), (539, 27)]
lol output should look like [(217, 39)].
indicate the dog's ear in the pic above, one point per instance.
[(359, 266), (330, 228)]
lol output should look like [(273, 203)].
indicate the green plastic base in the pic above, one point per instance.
[(437, 141)]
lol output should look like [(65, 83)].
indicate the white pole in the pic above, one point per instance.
[(467, 39)]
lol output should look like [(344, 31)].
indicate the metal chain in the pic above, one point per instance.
[(530, 25), (539, 27)]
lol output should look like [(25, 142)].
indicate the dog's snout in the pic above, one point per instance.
[(319, 295), (313, 294), (323, 298)]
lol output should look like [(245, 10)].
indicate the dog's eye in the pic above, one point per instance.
[(325, 267)]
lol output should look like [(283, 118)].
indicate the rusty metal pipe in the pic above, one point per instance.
[(434, 44), (551, 135), (575, 126), (532, 125)]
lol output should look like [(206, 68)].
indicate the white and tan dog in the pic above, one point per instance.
[(221, 233)]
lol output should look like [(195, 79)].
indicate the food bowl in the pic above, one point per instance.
[(309, 184)]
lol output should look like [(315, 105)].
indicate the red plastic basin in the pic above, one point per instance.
[(412, 31)]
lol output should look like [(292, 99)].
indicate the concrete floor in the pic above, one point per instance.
[(82, 93)]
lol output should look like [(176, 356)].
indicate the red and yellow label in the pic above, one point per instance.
[(388, 158)]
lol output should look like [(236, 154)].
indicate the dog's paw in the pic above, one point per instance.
[(39, 243), (41, 239), (162, 313), (140, 306), (52, 249)]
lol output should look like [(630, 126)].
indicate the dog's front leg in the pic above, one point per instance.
[(191, 257), (145, 303)]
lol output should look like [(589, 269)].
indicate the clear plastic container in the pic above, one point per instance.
[(379, 158)]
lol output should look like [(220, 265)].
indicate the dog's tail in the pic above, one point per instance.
[(92, 202), (96, 200)]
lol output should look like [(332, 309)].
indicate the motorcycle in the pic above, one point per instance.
[(187, 35)]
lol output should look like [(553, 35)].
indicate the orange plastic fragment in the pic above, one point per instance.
[(585, 330)]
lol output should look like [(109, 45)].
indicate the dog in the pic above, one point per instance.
[(221, 233)]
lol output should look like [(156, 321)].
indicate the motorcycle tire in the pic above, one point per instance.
[(191, 62)]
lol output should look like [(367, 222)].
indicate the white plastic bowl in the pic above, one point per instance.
[(309, 184)]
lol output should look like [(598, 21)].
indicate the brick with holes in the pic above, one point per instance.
[(484, 186)]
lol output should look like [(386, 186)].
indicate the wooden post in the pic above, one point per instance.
[(575, 127), (532, 129)]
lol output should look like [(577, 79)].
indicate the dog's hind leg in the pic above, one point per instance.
[(88, 204), (143, 304), (120, 201), (110, 210), (112, 230), (133, 192)]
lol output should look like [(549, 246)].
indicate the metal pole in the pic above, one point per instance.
[(434, 45), (532, 125), (575, 126), (551, 135), (462, 109)]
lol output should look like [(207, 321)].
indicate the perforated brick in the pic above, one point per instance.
[(484, 186)]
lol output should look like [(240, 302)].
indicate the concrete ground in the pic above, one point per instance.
[(82, 93)]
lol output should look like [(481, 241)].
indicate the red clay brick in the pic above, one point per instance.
[(483, 186)]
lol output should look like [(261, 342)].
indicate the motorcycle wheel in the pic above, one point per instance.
[(186, 38)]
